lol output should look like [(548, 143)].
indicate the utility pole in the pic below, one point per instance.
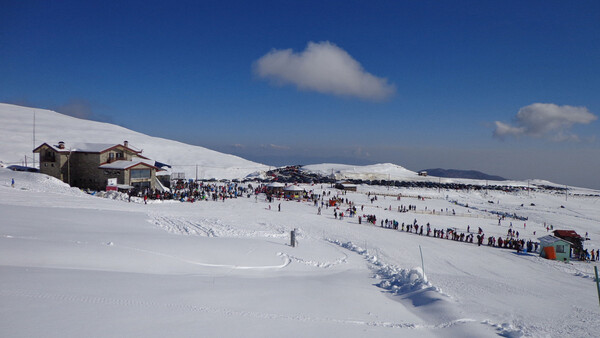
[(597, 281), (566, 192), (33, 138), (422, 263)]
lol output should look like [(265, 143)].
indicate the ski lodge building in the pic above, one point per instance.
[(91, 165)]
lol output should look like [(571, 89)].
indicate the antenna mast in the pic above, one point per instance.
[(33, 138)]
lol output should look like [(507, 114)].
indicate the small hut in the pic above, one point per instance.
[(293, 192), (275, 188), (555, 248)]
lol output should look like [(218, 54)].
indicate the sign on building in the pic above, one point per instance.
[(112, 182), (178, 176)]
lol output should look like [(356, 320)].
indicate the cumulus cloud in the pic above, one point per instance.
[(323, 67), (545, 120)]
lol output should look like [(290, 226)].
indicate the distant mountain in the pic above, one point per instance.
[(470, 174)]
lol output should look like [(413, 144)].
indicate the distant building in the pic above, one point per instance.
[(293, 192), (422, 173), (274, 188), (90, 165), (344, 185)]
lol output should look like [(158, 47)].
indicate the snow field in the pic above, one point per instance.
[(89, 266)]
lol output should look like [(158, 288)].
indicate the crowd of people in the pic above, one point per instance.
[(343, 207), (512, 239), (190, 191)]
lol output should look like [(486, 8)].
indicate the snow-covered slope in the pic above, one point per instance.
[(76, 265), (16, 137), (382, 171), (389, 171)]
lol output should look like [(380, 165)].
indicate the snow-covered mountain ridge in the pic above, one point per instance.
[(17, 129), (16, 136)]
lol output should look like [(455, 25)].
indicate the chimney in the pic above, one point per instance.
[(61, 145), (126, 143)]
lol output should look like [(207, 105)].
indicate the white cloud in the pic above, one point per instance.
[(546, 120), (325, 68), (274, 146)]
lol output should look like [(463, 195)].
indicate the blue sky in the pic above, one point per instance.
[(422, 84)]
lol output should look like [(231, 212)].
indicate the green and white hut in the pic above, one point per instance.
[(555, 248)]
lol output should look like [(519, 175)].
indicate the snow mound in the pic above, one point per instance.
[(393, 279), (36, 182)]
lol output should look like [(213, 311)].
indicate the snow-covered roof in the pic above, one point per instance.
[(91, 147), (549, 239), (293, 188), (123, 165), (275, 185), (85, 147)]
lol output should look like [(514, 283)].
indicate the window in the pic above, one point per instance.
[(140, 173), (141, 185), (48, 156), (560, 249)]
